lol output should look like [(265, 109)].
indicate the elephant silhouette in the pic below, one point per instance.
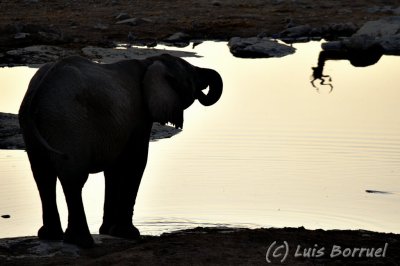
[(79, 117)]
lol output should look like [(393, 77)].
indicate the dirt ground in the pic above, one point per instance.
[(76, 24), (80, 23), (215, 246)]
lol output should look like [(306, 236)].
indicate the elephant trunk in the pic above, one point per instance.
[(213, 80)]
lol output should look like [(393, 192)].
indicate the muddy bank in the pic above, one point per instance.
[(214, 246)]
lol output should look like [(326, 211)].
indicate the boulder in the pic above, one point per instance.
[(10, 135), (296, 32), (33, 55), (122, 16), (134, 21), (256, 47), (384, 27), (382, 35), (178, 39)]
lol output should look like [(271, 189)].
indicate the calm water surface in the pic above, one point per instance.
[(273, 152)]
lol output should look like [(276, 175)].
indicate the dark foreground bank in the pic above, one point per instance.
[(215, 246)]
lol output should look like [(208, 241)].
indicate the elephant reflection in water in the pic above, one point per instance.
[(80, 117), (358, 58)]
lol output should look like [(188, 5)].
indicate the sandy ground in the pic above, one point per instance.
[(76, 24)]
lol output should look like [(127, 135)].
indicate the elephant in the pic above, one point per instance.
[(80, 117)]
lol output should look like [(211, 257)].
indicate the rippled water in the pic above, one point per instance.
[(273, 152)]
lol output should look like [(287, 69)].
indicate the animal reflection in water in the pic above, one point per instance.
[(357, 58)]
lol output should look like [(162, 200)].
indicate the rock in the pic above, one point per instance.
[(100, 26), (296, 32), (178, 37), (21, 35), (335, 30), (332, 46), (255, 47), (134, 21), (391, 44), (345, 11), (10, 135), (379, 36), (277, 2), (357, 42), (385, 27), (216, 3), (342, 29), (384, 33), (51, 36), (34, 55), (380, 9), (122, 16), (114, 2), (373, 9)]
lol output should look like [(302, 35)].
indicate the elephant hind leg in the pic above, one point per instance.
[(46, 179), (77, 231)]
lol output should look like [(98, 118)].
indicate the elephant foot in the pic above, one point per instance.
[(124, 231), (50, 233), (105, 229), (79, 238)]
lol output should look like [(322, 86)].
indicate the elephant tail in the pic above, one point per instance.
[(25, 115), (43, 142)]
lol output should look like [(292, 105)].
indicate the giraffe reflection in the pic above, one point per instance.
[(358, 58)]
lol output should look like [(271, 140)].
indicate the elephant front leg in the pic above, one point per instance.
[(121, 188), (119, 204)]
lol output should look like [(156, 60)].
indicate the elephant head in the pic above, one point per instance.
[(171, 85)]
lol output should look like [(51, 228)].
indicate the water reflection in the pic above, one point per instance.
[(357, 58), (271, 153)]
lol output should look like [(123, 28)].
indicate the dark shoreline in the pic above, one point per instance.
[(215, 246)]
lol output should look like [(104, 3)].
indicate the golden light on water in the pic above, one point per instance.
[(272, 152)]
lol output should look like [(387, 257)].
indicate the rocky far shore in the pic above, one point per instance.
[(36, 32)]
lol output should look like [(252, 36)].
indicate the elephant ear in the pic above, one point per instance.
[(162, 99)]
